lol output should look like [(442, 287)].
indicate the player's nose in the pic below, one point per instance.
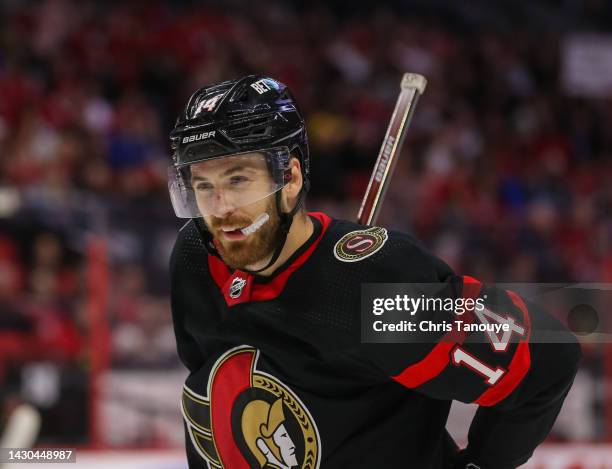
[(221, 206)]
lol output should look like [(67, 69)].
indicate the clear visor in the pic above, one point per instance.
[(219, 185)]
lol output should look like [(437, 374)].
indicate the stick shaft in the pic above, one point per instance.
[(412, 86)]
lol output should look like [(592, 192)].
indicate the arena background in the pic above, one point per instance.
[(506, 174)]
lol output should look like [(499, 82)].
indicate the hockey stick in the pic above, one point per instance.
[(412, 86), (21, 428)]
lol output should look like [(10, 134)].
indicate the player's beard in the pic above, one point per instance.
[(256, 247)]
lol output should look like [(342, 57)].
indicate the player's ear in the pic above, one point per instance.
[(292, 188)]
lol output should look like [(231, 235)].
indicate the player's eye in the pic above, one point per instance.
[(204, 186), (238, 180)]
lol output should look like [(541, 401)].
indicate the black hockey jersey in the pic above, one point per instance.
[(280, 378)]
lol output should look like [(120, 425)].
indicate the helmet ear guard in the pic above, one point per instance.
[(305, 181), (304, 167)]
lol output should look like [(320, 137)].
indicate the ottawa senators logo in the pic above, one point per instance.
[(358, 245), (250, 419)]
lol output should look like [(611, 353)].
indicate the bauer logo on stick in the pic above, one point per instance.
[(358, 245)]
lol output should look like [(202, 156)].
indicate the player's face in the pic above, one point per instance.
[(218, 185)]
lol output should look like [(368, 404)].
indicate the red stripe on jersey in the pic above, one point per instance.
[(231, 378), (272, 289), (219, 271), (263, 291), (435, 361), (519, 365)]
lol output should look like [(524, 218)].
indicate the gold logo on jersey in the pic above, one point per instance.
[(358, 245), (250, 419)]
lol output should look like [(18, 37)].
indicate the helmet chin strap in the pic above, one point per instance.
[(207, 237), (286, 219)]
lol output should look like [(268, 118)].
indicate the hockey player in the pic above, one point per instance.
[(266, 309)]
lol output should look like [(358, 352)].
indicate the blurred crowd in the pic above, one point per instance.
[(503, 175)]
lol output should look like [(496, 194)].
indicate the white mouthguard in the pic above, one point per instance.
[(258, 223)]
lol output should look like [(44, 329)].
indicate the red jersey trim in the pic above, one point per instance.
[(439, 358), (519, 365), (230, 378), (435, 361), (269, 290), (219, 271)]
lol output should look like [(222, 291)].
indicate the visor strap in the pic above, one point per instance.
[(286, 219), (285, 223), (207, 237)]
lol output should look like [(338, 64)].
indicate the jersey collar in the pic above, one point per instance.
[(241, 287)]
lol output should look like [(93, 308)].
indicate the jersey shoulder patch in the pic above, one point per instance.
[(360, 244), (388, 255)]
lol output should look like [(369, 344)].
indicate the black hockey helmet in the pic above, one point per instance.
[(248, 114)]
